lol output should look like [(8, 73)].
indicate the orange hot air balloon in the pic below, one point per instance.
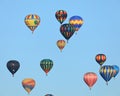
[(28, 84), (61, 44), (90, 79)]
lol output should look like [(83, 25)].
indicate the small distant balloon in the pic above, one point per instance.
[(115, 70), (61, 44), (67, 30), (32, 21), (106, 72), (49, 95), (13, 66), (90, 78), (46, 65), (28, 84), (61, 16), (76, 21), (100, 59)]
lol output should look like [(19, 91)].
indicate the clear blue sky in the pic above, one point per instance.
[(100, 33)]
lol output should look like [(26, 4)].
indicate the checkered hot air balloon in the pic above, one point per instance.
[(90, 79), (46, 65), (32, 21), (61, 16), (28, 84), (76, 21)]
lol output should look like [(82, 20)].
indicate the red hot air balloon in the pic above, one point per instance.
[(90, 78)]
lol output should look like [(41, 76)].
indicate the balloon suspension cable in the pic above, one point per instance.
[(61, 50), (90, 88), (67, 41), (107, 83), (46, 74), (32, 32), (12, 75)]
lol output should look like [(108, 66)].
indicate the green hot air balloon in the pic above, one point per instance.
[(13, 66), (46, 65)]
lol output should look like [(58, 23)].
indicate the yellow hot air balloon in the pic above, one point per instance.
[(28, 84), (32, 21), (61, 44)]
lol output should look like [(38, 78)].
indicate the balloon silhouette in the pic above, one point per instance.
[(67, 30), (76, 21), (106, 72), (61, 16), (100, 59), (115, 70), (90, 78), (61, 44), (49, 95), (28, 84), (32, 21), (13, 66), (46, 65)]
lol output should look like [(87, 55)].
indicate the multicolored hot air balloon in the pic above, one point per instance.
[(49, 95), (115, 70), (61, 16), (76, 21), (106, 72), (100, 59), (67, 30), (46, 65), (13, 66), (28, 84), (90, 78), (61, 44), (32, 21)]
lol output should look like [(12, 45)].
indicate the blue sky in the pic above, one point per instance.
[(99, 34)]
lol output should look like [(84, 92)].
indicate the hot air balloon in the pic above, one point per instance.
[(49, 95), (100, 59), (28, 84), (61, 44), (90, 78), (61, 16), (32, 21), (106, 72), (76, 21), (115, 70), (67, 30), (13, 66), (46, 65)]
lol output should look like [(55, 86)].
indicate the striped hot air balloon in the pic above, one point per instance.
[(61, 44), (32, 21), (76, 21), (90, 78), (28, 84), (100, 59), (67, 30), (61, 16), (46, 65), (106, 72)]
